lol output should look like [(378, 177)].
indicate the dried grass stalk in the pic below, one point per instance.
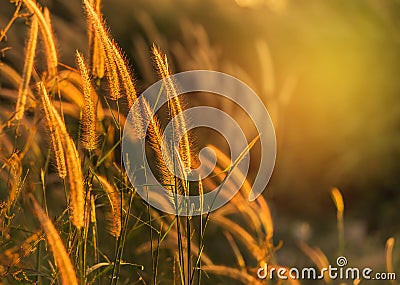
[(67, 272), (67, 154), (115, 205), (107, 47), (74, 173), (116, 65), (258, 211), (175, 107), (15, 173), (75, 180), (389, 256), (88, 113), (55, 135), (48, 38), (125, 74), (159, 146), (97, 53), (28, 65)]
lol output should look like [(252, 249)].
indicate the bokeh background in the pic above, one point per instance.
[(328, 72)]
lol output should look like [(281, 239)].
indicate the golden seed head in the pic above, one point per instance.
[(64, 264), (88, 109), (175, 108), (28, 66)]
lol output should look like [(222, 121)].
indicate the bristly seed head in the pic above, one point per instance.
[(175, 108), (88, 109)]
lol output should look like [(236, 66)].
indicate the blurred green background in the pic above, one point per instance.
[(328, 72)]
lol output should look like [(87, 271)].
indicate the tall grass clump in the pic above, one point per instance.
[(68, 212)]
